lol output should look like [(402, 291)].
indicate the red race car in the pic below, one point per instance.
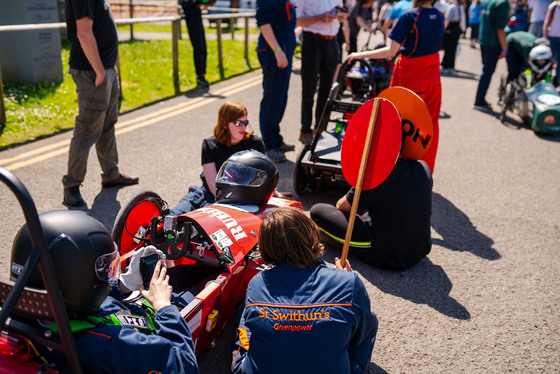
[(214, 249)]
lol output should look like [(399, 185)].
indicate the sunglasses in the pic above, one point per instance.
[(240, 123)]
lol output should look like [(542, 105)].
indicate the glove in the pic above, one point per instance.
[(132, 279)]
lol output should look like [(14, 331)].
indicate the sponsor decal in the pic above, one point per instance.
[(17, 268), (283, 319), (231, 224), (135, 321), (221, 239)]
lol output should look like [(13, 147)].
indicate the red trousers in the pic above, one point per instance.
[(422, 75)]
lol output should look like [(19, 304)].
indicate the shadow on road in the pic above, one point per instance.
[(373, 368), (424, 283), (105, 206), (550, 137), (461, 74), (457, 231)]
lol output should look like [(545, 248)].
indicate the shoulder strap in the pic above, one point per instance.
[(414, 30)]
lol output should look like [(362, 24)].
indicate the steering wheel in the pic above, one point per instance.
[(168, 233), (345, 68)]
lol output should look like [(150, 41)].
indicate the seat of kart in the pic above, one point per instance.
[(33, 302), (328, 147)]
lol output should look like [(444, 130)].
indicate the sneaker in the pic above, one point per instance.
[(306, 137), (73, 197), (484, 107), (286, 147), (201, 81), (276, 155), (121, 180)]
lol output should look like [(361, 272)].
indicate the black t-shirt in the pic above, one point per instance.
[(218, 153), (358, 11), (400, 209), (104, 30)]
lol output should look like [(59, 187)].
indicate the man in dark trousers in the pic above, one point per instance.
[(193, 18), (493, 45), (319, 57), (92, 34)]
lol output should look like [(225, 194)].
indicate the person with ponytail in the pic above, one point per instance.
[(417, 36)]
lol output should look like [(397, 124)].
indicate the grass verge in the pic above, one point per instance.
[(34, 111), (148, 27)]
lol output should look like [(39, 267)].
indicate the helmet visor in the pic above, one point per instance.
[(236, 173), (108, 266)]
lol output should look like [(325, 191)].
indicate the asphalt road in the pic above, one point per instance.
[(486, 298)]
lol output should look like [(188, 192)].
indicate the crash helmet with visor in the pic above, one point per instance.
[(247, 177), (83, 253)]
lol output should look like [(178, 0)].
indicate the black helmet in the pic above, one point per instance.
[(84, 256), (247, 177)]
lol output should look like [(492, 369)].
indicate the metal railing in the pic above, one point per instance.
[(175, 35)]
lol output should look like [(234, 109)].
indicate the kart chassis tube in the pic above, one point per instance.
[(39, 256)]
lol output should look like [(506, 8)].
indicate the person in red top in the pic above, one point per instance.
[(417, 36)]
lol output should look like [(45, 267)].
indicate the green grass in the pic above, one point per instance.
[(146, 77)]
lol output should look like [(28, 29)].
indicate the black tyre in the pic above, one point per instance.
[(502, 90), (301, 180)]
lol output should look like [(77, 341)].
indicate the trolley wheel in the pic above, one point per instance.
[(301, 180), (507, 99), (137, 212), (503, 115), (502, 90)]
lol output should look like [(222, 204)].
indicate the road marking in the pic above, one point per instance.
[(123, 127)]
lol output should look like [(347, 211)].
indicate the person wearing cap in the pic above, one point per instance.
[(392, 228), (320, 54)]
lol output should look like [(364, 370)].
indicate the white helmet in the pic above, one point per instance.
[(540, 58), (540, 52)]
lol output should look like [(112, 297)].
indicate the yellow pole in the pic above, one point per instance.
[(360, 182)]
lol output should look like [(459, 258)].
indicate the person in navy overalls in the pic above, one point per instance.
[(302, 316), (275, 48)]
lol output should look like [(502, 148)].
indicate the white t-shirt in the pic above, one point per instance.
[(306, 8), (554, 28), (538, 12)]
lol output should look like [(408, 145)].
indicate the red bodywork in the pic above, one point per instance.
[(227, 236), (224, 247)]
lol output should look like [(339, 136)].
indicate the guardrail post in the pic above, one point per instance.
[(246, 38), (220, 52), (175, 31), (131, 12), (2, 109)]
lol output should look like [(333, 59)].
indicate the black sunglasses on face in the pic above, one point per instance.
[(240, 123)]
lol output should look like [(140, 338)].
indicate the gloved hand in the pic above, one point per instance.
[(132, 279)]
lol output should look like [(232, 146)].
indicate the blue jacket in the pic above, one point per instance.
[(123, 349), (281, 15), (313, 320)]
